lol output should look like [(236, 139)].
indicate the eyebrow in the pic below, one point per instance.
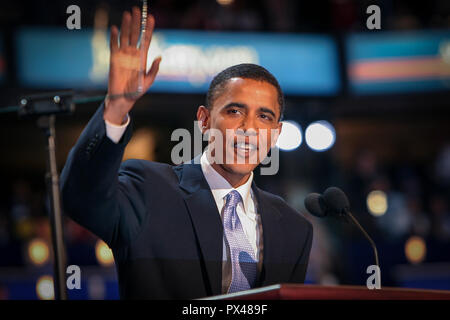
[(244, 106), (267, 110)]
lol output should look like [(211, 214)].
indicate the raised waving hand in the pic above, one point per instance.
[(128, 79)]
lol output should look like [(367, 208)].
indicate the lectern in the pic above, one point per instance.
[(317, 292)]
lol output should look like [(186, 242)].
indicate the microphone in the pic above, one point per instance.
[(337, 201), (315, 204), (334, 202)]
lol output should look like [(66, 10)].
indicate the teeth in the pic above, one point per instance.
[(245, 146)]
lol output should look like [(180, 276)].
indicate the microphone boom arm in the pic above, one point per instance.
[(372, 243)]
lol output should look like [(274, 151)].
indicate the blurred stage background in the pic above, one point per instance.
[(369, 110)]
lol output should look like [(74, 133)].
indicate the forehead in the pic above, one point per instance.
[(249, 91)]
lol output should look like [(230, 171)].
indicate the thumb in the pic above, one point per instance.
[(151, 74)]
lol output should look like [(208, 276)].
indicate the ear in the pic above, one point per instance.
[(276, 134), (203, 117)]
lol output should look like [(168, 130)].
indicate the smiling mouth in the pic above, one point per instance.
[(247, 151), (245, 146)]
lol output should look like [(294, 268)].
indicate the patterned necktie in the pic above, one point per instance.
[(241, 252)]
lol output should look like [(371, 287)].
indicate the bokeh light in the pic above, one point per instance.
[(225, 2), (44, 288), (96, 287), (104, 254), (377, 203), (38, 252), (415, 249), (320, 135), (290, 137), (141, 146)]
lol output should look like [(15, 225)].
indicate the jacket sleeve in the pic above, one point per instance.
[(299, 273), (97, 191)]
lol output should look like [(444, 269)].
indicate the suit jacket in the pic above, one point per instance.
[(162, 223)]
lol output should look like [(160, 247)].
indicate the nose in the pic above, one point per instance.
[(248, 126)]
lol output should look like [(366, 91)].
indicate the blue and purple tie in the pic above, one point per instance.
[(242, 256)]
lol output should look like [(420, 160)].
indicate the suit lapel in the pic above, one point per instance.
[(273, 240), (206, 222)]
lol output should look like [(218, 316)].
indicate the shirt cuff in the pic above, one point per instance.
[(115, 132)]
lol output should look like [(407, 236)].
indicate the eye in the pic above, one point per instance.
[(233, 111), (266, 117)]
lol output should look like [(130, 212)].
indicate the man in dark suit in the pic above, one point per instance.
[(201, 228)]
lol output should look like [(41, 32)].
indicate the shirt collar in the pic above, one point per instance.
[(221, 187)]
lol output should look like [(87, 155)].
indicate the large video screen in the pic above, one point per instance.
[(398, 62), (57, 58)]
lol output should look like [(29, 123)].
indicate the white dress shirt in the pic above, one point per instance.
[(114, 131), (246, 209)]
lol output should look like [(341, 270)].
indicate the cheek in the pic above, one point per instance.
[(220, 132), (274, 136), (226, 127), (222, 123), (229, 122), (269, 137)]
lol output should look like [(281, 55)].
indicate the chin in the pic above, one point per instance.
[(241, 169)]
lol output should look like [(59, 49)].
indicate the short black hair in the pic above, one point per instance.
[(245, 71)]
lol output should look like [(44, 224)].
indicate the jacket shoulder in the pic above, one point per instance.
[(145, 164), (286, 210), (146, 168)]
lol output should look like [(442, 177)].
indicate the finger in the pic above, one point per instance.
[(151, 74), (135, 26), (113, 41), (125, 29), (148, 33)]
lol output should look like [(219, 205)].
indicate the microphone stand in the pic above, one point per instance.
[(45, 107), (47, 124), (372, 243)]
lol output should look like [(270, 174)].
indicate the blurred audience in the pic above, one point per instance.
[(268, 15)]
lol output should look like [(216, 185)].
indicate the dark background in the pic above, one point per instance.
[(396, 143)]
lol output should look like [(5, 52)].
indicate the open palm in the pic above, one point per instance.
[(128, 79)]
